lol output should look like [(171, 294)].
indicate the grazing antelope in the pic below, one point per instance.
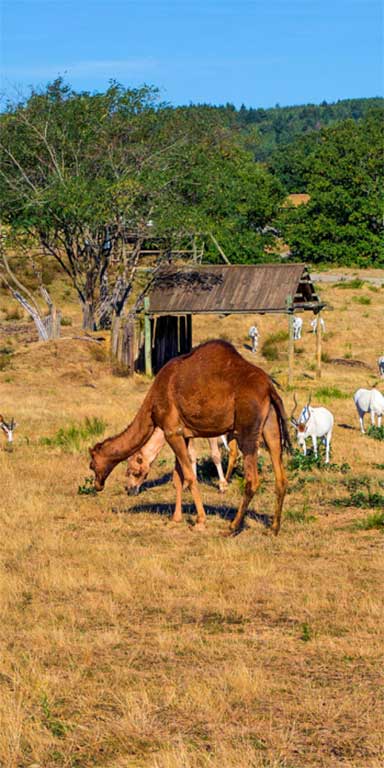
[(297, 327), (380, 363), (315, 423), (8, 428), (314, 324), (211, 391), (139, 464), (254, 334), (369, 401)]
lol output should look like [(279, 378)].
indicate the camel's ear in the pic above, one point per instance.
[(91, 452)]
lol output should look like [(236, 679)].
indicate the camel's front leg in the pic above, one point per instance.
[(179, 447)]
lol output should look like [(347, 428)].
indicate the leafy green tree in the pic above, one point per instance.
[(68, 174), (80, 170), (342, 222)]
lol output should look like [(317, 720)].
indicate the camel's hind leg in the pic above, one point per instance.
[(271, 434), (179, 447), (178, 480), (249, 445), (232, 458)]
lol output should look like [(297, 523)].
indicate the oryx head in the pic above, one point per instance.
[(300, 424), (8, 428)]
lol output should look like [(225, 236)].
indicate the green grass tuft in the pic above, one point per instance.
[(376, 432), (72, 438), (375, 520), (330, 393)]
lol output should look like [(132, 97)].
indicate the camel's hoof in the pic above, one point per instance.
[(200, 527), (223, 487), (230, 533), (175, 520)]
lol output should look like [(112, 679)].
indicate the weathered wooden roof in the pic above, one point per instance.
[(229, 289)]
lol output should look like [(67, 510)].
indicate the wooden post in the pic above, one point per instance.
[(291, 343), (147, 338), (318, 346)]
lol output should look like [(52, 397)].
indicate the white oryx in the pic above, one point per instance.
[(253, 334), (8, 428), (369, 401), (380, 363), (314, 423), (314, 324), (297, 326)]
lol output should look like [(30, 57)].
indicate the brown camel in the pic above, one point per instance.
[(209, 392)]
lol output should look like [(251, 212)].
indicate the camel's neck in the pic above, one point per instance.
[(136, 434)]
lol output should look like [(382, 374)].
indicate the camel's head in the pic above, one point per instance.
[(137, 471), (100, 465)]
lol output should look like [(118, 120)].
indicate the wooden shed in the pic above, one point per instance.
[(176, 294)]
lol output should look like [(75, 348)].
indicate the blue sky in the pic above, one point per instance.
[(256, 52)]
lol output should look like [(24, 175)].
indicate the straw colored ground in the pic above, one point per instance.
[(128, 642)]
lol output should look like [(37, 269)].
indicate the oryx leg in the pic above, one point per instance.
[(193, 456), (327, 446), (216, 458), (314, 443)]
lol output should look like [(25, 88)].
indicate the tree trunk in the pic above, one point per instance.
[(88, 316)]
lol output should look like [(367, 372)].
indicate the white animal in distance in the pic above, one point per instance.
[(297, 326), (316, 423), (8, 428), (369, 401)]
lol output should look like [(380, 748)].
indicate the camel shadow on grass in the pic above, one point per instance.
[(212, 510)]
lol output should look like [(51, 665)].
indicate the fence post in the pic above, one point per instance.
[(147, 338), (291, 342), (318, 346)]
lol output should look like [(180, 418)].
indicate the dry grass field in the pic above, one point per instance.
[(131, 642)]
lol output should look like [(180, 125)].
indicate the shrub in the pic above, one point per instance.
[(270, 349), (310, 461), (66, 321), (375, 520), (362, 500), (365, 300), (88, 487), (376, 432), (353, 284)]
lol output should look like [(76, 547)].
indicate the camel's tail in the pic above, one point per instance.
[(285, 439)]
